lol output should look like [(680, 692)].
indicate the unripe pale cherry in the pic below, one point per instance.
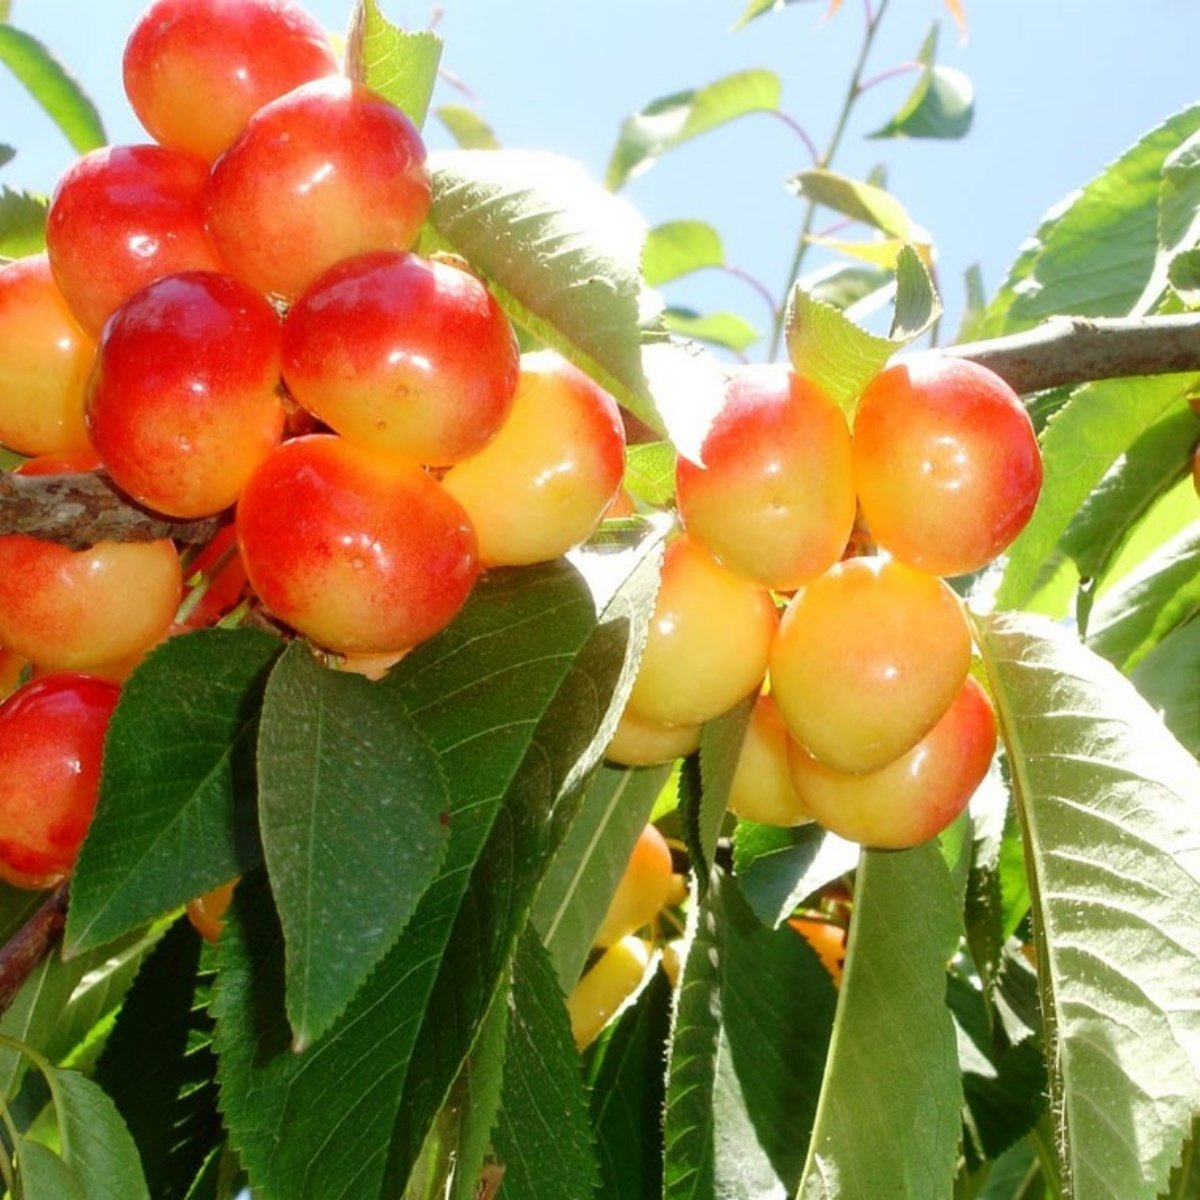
[(543, 484), (363, 553), (946, 463), (45, 358), (121, 217), (867, 659), (774, 500), (326, 172), (637, 742), (762, 788), (916, 796), (708, 642), (51, 744), (402, 354), (642, 890), (184, 402), (196, 71), (608, 983)]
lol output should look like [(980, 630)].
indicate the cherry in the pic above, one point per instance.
[(642, 889), (207, 912), (605, 987), (762, 788), (637, 742)]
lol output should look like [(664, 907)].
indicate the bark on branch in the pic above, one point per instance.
[(31, 943)]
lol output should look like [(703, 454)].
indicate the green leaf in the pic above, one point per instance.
[(352, 808), (544, 1136), (650, 472), (1166, 677), (585, 870), (778, 868), (1108, 804), (859, 201), (45, 1176), (1094, 253), (476, 1099), (892, 1024), (22, 223), (628, 1096), (672, 120), (562, 256), (7, 154), (827, 347), (756, 8), (678, 248), (95, 1143), (48, 82), (158, 1067), (751, 1030), (512, 696), (468, 129), (846, 284), (1099, 423), (401, 66), (941, 106), (729, 330), (1183, 274), (176, 811)]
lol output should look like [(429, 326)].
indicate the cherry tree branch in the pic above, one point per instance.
[(30, 944)]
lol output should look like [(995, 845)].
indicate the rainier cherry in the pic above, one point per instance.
[(404, 355), (774, 500), (637, 742), (51, 743), (363, 553), (762, 788), (324, 173), (543, 484), (868, 658), (642, 890), (946, 463), (606, 985), (197, 70)]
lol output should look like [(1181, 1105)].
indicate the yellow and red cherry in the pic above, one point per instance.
[(324, 173), (45, 359), (867, 659), (184, 402), (605, 987), (363, 553), (122, 217), (642, 890), (207, 912), (637, 742), (828, 939), (946, 463), (542, 486), (196, 71), (914, 798), (51, 742), (762, 788), (708, 642), (774, 499), (403, 354)]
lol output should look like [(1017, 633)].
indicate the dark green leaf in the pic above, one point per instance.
[(1183, 274), (672, 120), (892, 1025), (650, 472), (778, 868), (544, 1136), (17, 905), (400, 65), (476, 1099), (469, 130), (751, 1031), (7, 154), (353, 809), (585, 870), (859, 201), (678, 248), (45, 1176), (46, 80), (728, 330), (1108, 805), (941, 106), (1166, 677), (22, 223), (158, 1067), (176, 811), (95, 1143)]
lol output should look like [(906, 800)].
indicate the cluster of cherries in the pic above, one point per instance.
[(233, 319)]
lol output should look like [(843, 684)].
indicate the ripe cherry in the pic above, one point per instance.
[(637, 742), (197, 70), (608, 983), (642, 890), (404, 355), (207, 912), (51, 743), (762, 788)]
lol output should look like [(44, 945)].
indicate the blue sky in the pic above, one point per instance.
[(1062, 87)]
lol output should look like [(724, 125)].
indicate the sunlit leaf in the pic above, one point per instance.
[(22, 223), (729, 330), (467, 127), (398, 64), (859, 201), (941, 106), (1166, 677), (678, 248)]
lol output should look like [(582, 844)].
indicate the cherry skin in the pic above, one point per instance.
[(326, 172), (868, 658), (45, 358), (946, 463), (828, 939), (404, 355), (762, 788), (642, 890), (196, 71), (363, 553), (12, 668), (605, 987), (637, 742), (51, 743), (708, 642), (122, 217), (184, 401), (207, 912), (919, 794), (543, 484), (774, 499)]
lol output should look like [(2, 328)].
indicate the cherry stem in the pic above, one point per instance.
[(30, 944), (903, 68), (800, 132)]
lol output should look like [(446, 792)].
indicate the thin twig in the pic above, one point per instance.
[(30, 944)]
